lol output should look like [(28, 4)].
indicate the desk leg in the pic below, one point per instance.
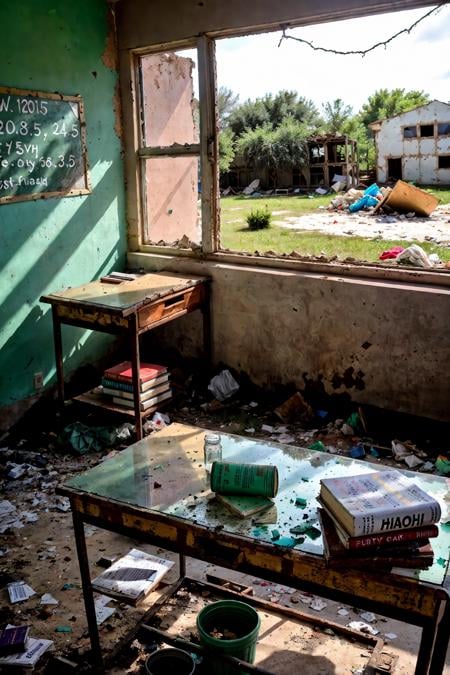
[(207, 339), (135, 367), (88, 595), (57, 339), (182, 563), (441, 644)]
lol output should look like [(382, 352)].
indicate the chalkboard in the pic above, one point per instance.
[(42, 146)]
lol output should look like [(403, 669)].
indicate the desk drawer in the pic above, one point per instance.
[(170, 306)]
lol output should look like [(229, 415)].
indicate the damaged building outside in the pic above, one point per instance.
[(414, 145)]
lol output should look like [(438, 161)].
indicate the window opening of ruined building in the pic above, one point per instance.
[(410, 132), (321, 148), (426, 130), (444, 162), (169, 148), (444, 129)]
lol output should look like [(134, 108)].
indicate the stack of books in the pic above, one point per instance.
[(379, 520), (117, 382)]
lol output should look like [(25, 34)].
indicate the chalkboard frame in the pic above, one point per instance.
[(78, 100)]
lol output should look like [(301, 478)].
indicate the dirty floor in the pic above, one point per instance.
[(41, 549)]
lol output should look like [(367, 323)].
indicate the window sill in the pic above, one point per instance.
[(372, 271)]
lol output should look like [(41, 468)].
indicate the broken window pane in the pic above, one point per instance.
[(444, 129), (410, 132), (444, 162), (170, 110), (426, 130), (171, 202)]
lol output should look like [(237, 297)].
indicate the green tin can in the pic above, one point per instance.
[(230, 478)]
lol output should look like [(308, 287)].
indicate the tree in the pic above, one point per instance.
[(275, 148), (384, 103), (336, 113), (271, 111), (226, 102), (226, 149)]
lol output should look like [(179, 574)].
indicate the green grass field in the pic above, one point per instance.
[(236, 236)]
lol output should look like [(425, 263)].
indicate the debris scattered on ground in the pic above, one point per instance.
[(223, 386), (363, 627), (295, 409)]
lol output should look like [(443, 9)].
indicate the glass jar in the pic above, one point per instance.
[(212, 450)]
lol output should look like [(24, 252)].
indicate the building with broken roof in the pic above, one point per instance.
[(331, 159), (414, 145)]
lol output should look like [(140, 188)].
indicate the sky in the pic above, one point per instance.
[(255, 65)]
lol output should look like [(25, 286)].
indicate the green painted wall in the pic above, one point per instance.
[(58, 45)]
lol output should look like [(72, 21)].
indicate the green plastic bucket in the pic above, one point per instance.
[(235, 616), (169, 660)]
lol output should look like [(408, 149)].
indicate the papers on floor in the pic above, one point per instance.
[(19, 591), (102, 612), (35, 648), (132, 577)]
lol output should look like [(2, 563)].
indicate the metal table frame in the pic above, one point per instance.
[(402, 598)]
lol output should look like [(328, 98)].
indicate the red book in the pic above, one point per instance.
[(122, 372), (373, 542)]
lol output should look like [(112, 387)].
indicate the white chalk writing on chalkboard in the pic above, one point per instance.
[(42, 146)]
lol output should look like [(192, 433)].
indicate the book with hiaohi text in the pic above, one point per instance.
[(380, 501), (410, 554), (417, 535), (122, 372)]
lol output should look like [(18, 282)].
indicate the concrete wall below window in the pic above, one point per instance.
[(384, 344)]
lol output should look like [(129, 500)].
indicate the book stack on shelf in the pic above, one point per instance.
[(379, 520), (117, 383)]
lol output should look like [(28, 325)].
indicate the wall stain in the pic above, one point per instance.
[(349, 379)]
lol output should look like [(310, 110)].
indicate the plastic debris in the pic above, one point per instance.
[(63, 629), (317, 445), (363, 627), (414, 255), (48, 599), (294, 409), (399, 451), (390, 636), (223, 386), (301, 502), (357, 451), (412, 461), (275, 534), (368, 616), (442, 465), (343, 612), (347, 430), (318, 604), (85, 439), (391, 253)]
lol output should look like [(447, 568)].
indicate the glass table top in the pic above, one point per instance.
[(165, 473)]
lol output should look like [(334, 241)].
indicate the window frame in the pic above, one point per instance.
[(209, 251)]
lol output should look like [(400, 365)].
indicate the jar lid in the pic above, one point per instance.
[(212, 438)]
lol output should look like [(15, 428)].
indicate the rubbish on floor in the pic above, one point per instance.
[(132, 576), (48, 599), (294, 409), (19, 591), (102, 612), (391, 253), (35, 648), (13, 640), (84, 439), (368, 616), (405, 198), (442, 465), (414, 255), (223, 386), (318, 604), (363, 627), (252, 187)]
